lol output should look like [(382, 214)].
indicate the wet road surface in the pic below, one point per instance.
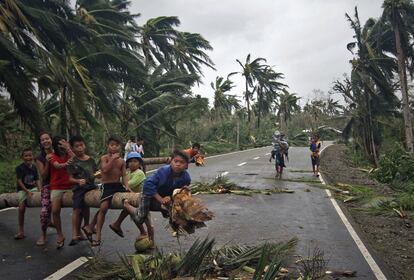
[(306, 214)]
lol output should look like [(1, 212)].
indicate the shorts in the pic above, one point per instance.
[(109, 189), (147, 204), (79, 195), (57, 194), (280, 160), (315, 161), (22, 195)]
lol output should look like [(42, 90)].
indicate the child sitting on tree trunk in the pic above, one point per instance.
[(27, 183), (159, 187), (112, 169), (81, 172), (136, 178)]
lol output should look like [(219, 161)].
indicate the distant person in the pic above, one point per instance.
[(81, 174), (279, 153), (136, 178), (59, 182), (159, 187), (27, 183), (131, 146), (112, 170), (42, 165), (194, 154), (140, 146), (315, 148)]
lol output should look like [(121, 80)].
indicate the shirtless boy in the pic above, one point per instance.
[(112, 169)]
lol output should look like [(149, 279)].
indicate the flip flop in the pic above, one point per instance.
[(19, 236), (87, 233), (95, 243), (60, 244), (117, 231)]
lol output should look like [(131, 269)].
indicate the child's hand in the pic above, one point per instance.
[(115, 156), (64, 144), (48, 157), (29, 194), (166, 200), (82, 182)]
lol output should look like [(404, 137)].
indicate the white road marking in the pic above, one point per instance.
[(267, 154), (224, 173), (241, 164), (256, 158), (10, 208), (364, 251), (68, 269)]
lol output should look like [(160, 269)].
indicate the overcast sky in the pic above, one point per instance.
[(304, 39)]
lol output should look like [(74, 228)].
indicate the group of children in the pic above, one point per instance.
[(280, 148), (63, 167)]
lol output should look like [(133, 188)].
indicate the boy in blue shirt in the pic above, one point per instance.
[(159, 187)]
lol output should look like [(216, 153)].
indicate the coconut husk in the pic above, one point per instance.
[(187, 213)]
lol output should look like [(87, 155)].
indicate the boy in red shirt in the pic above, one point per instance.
[(59, 181)]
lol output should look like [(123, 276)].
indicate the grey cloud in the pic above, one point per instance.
[(305, 39)]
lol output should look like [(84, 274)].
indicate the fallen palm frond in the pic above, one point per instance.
[(187, 213), (313, 266), (201, 261), (222, 185)]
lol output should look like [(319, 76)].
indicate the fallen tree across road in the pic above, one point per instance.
[(92, 199)]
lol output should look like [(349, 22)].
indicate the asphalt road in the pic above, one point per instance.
[(307, 215)]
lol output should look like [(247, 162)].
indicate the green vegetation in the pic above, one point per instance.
[(201, 261)]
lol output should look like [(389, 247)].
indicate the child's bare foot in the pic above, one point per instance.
[(41, 241), (19, 236), (142, 236)]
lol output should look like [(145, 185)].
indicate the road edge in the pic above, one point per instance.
[(361, 246)]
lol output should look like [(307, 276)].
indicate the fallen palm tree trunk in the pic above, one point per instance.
[(156, 160), (92, 199)]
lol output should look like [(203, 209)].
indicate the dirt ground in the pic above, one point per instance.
[(387, 237)]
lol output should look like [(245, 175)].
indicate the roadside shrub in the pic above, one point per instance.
[(396, 167), (8, 176)]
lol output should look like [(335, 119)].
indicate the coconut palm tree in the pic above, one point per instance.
[(223, 104), (399, 14), (286, 106), (251, 70), (267, 88)]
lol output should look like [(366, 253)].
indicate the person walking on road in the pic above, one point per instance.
[(279, 153), (315, 148)]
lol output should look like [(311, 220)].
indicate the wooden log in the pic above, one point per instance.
[(92, 199), (156, 160)]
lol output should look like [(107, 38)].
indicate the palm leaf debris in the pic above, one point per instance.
[(222, 185), (201, 261)]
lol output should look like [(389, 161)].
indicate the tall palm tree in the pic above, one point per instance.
[(286, 106), (399, 14), (251, 70), (223, 103), (267, 88), (371, 82)]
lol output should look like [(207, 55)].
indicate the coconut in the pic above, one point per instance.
[(142, 245), (174, 260)]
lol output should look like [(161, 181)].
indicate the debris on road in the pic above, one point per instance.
[(187, 213), (222, 185)]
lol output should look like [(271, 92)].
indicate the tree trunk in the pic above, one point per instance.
[(63, 113), (238, 134), (92, 199), (404, 90), (247, 102)]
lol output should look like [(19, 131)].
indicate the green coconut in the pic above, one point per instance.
[(174, 260), (142, 245)]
